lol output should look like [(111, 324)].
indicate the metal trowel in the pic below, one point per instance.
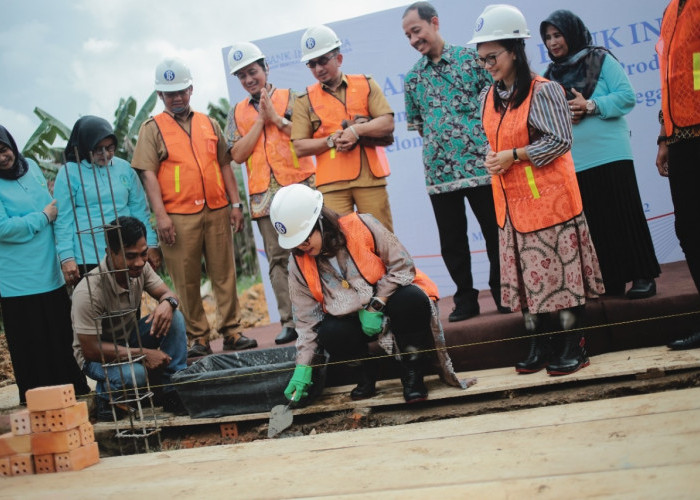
[(281, 418)]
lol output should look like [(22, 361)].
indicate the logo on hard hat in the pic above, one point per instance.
[(169, 75), (238, 55), (479, 24), (310, 43), (280, 228)]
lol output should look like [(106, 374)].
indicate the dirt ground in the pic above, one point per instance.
[(253, 313)]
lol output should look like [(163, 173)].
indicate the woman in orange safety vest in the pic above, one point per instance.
[(548, 262), (351, 282)]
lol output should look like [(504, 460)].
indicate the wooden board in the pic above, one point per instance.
[(606, 366), (645, 446)]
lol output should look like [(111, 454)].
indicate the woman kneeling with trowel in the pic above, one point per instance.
[(351, 281)]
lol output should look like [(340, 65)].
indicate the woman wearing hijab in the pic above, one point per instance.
[(89, 195), (35, 304), (548, 263), (600, 95)]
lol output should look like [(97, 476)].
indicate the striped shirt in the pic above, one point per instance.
[(549, 122)]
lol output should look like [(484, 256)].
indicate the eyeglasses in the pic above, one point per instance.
[(490, 59), (109, 149), (321, 61)]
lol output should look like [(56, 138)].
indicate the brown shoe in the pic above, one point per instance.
[(238, 344)]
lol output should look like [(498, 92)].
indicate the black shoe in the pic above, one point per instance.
[(642, 289), (690, 342), (286, 335), (198, 350), (503, 309), (173, 404), (103, 410), (414, 389), (538, 357), (572, 357), (366, 381), (464, 311), (240, 343)]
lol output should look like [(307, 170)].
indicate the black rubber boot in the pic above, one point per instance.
[(366, 377), (572, 356), (414, 389), (538, 356), (540, 351)]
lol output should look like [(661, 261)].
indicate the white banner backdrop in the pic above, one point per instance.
[(376, 45)]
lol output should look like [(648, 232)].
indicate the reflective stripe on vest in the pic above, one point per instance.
[(679, 64), (332, 166), (273, 149), (534, 197), (360, 245), (190, 176)]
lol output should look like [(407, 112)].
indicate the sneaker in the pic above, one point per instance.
[(238, 344), (198, 350)]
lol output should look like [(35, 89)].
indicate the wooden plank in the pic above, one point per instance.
[(389, 392), (587, 450)]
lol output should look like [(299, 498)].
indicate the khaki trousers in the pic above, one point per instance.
[(278, 259), (207, 233), (368, 200)]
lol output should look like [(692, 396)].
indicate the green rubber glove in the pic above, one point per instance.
[(371, 321), (300, 383)]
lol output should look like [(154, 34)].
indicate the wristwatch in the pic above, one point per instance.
[(515, 156), (376, 304), (237, 205), (174, 303), (590, 107), (330, 142), (285, 122)]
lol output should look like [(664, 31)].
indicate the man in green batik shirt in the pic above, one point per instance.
[(442, 105)]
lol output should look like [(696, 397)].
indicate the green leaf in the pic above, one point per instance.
[(143, 115)]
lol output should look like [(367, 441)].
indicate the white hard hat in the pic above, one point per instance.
[(317, 41), (172, 75), (293, 212), (500, 22), (242, 54)]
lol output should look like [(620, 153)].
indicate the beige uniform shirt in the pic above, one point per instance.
[(105, 296)]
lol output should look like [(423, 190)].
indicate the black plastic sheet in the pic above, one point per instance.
[(243, 382)]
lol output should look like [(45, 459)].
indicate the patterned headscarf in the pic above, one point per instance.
[(580, 67)]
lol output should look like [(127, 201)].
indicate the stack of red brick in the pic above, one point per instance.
[(52, 435)]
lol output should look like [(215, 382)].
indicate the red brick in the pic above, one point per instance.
[(38, 421), (77, 459), (44, 464), (229, 430), (52, 397), (20, 423), (22, 464), (55, 442), (5, 469), (87, 433), (12, 445), (67, 418)]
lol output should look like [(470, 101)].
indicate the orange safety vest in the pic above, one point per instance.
[(332, 166), (679, 63), (535, 197), (190, 175), (360, 245), (273, 151)]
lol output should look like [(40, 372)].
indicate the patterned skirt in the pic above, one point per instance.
[(548, 270)]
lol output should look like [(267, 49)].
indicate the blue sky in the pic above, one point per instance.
[(79, 57)]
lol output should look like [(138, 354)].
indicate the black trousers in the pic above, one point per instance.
[(409, 311), (451, 218), (684, 179), (40, 339)]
